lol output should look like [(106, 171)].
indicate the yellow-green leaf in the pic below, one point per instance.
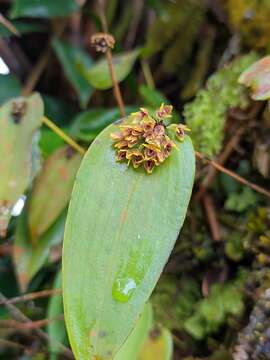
[(158, 346), (99, 76), (52, 189), (20, 118)]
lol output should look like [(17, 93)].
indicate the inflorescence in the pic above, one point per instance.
[(143, 140)]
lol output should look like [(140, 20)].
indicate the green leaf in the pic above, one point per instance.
[(158, 346), (49, 142), (29, 260), (121, 227), (20, 119), (43, 8), (88, 124), (72, 58), (51, 190), (56, 328), (136, 339), (23, 28), (58, 110), (9, 87), (152, 97), (99, 76)]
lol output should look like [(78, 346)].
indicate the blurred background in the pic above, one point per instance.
[(212, 300)]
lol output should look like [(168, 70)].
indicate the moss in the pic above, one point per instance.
[(251, 19), (206, 115)]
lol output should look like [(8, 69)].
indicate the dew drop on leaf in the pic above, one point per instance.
[(123, 288)]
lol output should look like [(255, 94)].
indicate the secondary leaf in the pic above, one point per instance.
[(20, 119), (43, 8), (99, 76), (136, 339), (88, 124), (72, 58), (51, 190), (121, 227), (56, 327), (28, 259), (158, 346), (9, 87)]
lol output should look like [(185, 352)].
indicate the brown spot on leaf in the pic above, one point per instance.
[(63, 173), (123, 216), (18, 110)]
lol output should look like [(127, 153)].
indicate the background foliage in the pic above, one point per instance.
[(211, 301)]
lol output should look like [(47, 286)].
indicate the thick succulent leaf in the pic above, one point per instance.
[(29, 260), (72, 57), (257, 77), (56, 328), (20, 119), (51, 190), (88, 124), (134, 343), (158, 346), (99, 76), (43, 8), (121, 227)]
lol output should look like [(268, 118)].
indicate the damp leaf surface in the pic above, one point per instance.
[(121, 227)]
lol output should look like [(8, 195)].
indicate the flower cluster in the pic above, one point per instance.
[(143, 140)]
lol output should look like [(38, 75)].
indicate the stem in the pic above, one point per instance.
[(32, 296), (63, 135), (8, 25), (235, 176), (116, 88), (17, 315)]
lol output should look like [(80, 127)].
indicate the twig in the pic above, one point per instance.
[(8, 25), (108, 53), (223, 157), (7, 323), (211, 216), (32, 296), (35, 74), (232, 174), (19, 316), (116, 88), (63, 135), (38, 69), (12, 344)]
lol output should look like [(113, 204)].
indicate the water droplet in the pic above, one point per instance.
[(123, 288), (131, 274)]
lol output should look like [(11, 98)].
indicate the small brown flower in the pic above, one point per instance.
[(164, 111), (144, 140), (121, 155), (135, 156), (149, 166), (159, 130), (121, 144), (180, 131), (117, 136), (102, 42)]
